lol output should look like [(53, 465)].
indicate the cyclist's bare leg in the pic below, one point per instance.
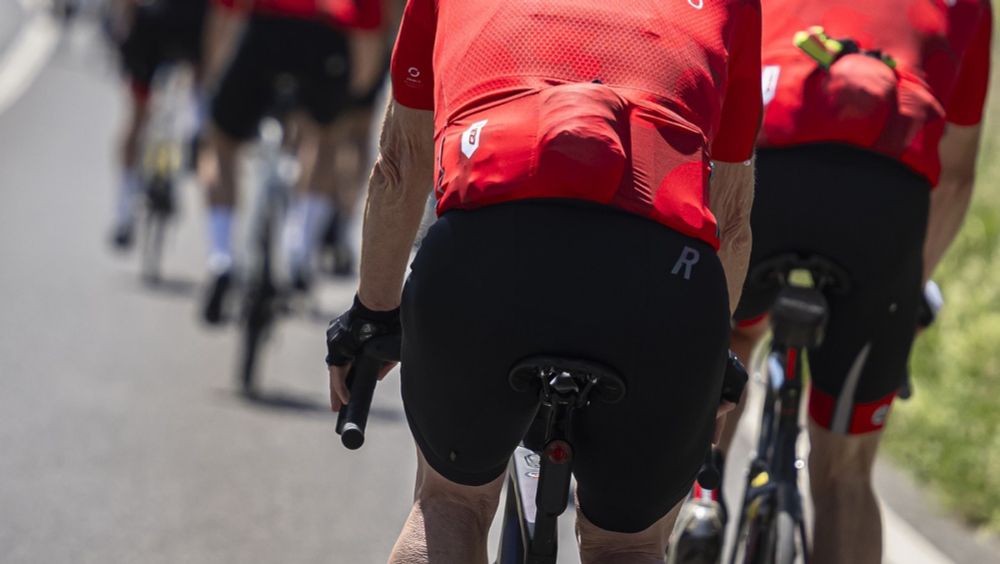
[(312, 205), (598, 546), (449, 523), (352, 168), (742, 341), (129, 158), (353, 160), (848, 525), (219, 169)]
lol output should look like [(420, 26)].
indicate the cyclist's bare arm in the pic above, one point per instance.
[(397, 193), (950, 200), (731, 197)]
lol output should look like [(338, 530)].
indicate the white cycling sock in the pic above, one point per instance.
[(306, 220), (128, 194), (220, 227)]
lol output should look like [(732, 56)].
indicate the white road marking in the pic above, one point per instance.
[(904, 545), (27, 54)]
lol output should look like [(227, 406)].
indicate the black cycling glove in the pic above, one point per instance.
[(347, 334)]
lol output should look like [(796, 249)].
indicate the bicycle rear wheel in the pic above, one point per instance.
[(159, 209), (754, 537), (786, 541), (258, 317)]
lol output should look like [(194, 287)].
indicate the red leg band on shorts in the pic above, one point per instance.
[(864, 418), (751, 322), (140, 90)]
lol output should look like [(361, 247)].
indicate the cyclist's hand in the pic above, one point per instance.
[(345, 338), (931, 302), (734, 383)]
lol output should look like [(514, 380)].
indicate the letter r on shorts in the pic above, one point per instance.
[(689, 257)]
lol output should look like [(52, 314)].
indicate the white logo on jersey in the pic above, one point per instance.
[(414, 72), (470, 139), (769, 82), (697, 4)]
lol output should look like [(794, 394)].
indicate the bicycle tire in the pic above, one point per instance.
[(786, 532), (257, 319), (159, 209), (753, 537), (512, 541), (152, 247)]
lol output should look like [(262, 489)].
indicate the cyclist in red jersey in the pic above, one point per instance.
[(868, 161), (593, 173), (325, 46)]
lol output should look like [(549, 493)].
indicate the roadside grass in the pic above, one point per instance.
[(948, 434)]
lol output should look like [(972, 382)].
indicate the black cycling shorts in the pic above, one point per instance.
[(313, 54), (867, 213), (493, 286), (162, 32)]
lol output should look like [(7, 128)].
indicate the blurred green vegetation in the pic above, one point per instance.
[(948, 435)]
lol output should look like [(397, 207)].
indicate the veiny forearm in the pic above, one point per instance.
[(400, 183), (731, 201)]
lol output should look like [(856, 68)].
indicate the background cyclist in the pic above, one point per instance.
[(559, 136), (870, 163), (151, 34), (310, 42)]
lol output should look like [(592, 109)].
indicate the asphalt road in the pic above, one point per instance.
[(121, 436)]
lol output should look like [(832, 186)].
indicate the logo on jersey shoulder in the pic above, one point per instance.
[(471, 138), (769, 82), (696, 4)]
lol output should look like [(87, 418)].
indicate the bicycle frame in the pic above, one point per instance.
[(276, 174), (772, 481), (538, 483), (162, 161)]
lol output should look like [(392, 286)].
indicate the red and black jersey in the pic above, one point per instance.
[(348, 14), (942, 51), (621, 103)]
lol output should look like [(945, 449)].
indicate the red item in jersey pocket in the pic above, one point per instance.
[(854, 99)]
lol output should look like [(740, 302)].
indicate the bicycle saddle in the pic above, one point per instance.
[(800, 313), (827, 275), (571, 376)]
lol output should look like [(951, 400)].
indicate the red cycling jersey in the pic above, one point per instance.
[(621, 103), (942, 51), (349, 14)]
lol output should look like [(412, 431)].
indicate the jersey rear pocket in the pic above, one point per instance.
[(582, 131)]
